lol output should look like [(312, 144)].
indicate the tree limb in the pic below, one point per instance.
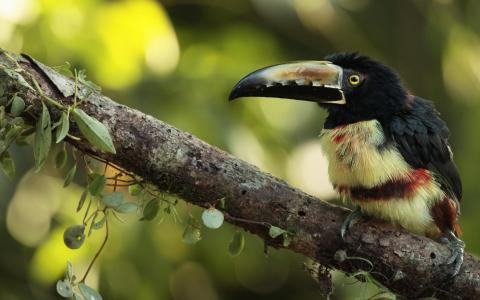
[(177, 162)]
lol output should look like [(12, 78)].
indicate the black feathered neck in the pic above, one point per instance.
[(380, 96)]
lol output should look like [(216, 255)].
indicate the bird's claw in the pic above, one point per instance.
[(351, 219), (457, 247)]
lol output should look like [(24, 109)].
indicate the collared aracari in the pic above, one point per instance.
[(388, 150)]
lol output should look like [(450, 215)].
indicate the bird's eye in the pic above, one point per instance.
[(354, 79)]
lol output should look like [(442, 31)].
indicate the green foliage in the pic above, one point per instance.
[(150, 210), (114, 199), (96, 133), (74, 236), (8, 164), (275, 232), (64, 288), (61, 158), (43, 138), (88, 293), (191, 234), (70, 175), (97, 184), (126, 208), (18, 106), (63, 128), (236, 245)]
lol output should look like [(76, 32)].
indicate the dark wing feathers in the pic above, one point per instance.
[(422, 139)]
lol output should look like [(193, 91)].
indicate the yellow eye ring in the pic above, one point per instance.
[(354, 79)]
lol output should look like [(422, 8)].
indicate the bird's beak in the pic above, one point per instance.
[(318, 81)]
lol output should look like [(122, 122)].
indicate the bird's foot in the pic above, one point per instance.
[(351, 219), (457, 247)]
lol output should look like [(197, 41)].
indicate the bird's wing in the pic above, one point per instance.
[(422, 138)]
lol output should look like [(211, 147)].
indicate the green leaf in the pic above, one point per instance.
[(64, 69), (286, 239), (96, 133), (94, 219), (237, 243), (77, 296), (18, 106), (12, 133), (88, 292), (61, 158), (191, 235), (134, 190), (81, 202), (64, 288), (63, 128), (97, 184), (99, 224), (221, 203), (212, 218), (8, 164), (70, 176), (74, 236), (151, 210), (69, 270), (275, 231), (19, 78), (82, 77), (43, 138), (113, 200), (126, 208)]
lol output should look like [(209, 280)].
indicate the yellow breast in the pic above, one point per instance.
[(359, 157), (354, 155)]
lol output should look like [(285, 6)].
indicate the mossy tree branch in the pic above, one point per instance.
[(177, 162)]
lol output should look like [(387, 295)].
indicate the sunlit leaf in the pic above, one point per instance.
[(97, 184), (74, 236), (18, 106), (70, 176), (212, 218), (126, 208), (64, 288), (151, 210), (43, 138), (236, 245), (8, 164), (62, 129), (275, 231), (95, 132), (113, 200), (88, 292)]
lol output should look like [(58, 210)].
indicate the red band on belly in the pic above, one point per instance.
[(400, 188)]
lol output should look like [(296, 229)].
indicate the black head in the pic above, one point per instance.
[(349, 86)]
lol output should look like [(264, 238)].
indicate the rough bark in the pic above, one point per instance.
[(176, 161)]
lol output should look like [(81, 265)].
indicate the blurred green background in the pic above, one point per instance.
[(177, 61)]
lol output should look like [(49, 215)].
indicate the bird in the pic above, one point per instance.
[(387, 149)]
